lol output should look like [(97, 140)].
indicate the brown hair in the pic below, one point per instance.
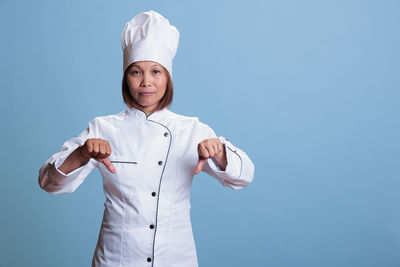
[(165, 101)]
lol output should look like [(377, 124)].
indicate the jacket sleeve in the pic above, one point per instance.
[(239, 171), (54, 181)]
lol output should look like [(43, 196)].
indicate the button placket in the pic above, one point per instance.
[(155, 194)]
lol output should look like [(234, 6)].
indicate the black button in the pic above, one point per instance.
[(149, 259), (153, 194), (165, 134), (151, 226), (160, 163)]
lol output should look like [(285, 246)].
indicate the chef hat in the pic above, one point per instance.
[(149, 36)]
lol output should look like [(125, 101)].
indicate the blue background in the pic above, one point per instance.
[(309, 89)]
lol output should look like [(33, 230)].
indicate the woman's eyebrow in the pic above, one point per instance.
[(154, 65)]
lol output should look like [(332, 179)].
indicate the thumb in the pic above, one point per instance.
[(199, 166), (109, 165)]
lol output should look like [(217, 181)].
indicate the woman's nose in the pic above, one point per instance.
[(145, 80)]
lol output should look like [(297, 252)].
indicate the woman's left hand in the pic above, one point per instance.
[(211, 148)]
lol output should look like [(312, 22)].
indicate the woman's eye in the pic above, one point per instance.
[(135, 72), (156, 71)]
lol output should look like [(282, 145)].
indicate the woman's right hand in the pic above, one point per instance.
[(98, 149)]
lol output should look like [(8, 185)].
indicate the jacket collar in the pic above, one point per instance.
[(139, 114)]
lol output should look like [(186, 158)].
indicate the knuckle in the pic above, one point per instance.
[(88, 148)]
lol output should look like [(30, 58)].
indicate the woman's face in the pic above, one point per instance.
[(147, 82)]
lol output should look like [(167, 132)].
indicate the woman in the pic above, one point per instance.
[(147, 156)]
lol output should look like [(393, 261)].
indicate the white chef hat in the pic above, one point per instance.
[(149, 36)]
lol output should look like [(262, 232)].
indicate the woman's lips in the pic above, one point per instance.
[(146, 94)]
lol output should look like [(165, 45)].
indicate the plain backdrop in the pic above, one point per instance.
[(308, 89)]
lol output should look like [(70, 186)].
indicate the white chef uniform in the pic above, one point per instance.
[(146, 220)]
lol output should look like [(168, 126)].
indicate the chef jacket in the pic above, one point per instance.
[(146, 220)]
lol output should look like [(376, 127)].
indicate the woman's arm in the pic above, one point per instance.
[(238, 170), (64, 171), (73, 162)]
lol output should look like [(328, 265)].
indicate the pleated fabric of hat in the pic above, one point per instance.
[(149, 37)]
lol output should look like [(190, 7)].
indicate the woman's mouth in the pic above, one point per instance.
[(146, 93)]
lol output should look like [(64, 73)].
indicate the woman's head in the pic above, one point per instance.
[(147, 86), (149, 44)]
